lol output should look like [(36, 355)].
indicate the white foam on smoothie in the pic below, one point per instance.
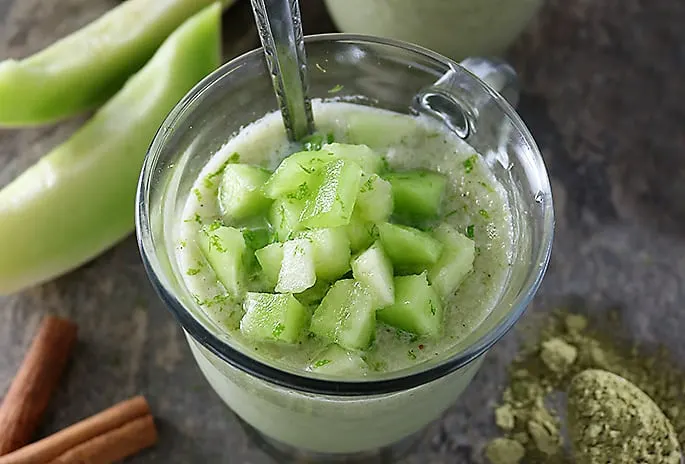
[(407, 142)]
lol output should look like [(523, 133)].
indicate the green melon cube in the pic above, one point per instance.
[(374, 269), (314, 141), (258, 237), (294, 171), (338, 361), (297, 272), (361, 233), (381, 130), (270, 317), (331, 251), (455, 262), (335, 198), (270, 258), (225, 251), (417, 308), (417, 194), (374, 202), (284, 217), (240, 192), (409, 249), (361, 155), (313, 295), (346, 316)]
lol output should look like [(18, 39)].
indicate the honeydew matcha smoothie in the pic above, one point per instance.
[(376, 245)]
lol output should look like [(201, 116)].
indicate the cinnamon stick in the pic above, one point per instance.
[(70, 438), (30, 391), (114, 445)]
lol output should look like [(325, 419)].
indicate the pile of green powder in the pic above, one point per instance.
[(528, 416), (607, 413)]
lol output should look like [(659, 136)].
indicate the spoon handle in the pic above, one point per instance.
[(280, 30)]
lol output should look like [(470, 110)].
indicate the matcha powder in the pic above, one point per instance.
[(611, 420), (534, 403)]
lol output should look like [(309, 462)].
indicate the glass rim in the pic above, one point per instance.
[(291, 380)]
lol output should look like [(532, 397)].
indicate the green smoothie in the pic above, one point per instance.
[(378, 245), (426, 223)]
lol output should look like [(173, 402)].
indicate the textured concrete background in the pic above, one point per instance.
[(603, 95)]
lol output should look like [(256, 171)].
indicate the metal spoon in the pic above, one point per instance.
[(280, 30)]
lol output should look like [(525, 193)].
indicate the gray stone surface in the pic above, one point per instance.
[(603, 95)]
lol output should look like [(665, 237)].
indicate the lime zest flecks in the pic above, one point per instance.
[(319, 67), (278, 330), (470, 163), (234, 158), (367, 186), (301, 193), (215, 242), (219, 171), (251, 238), (484, 214), (470, 231), (197, 194), (405, 336), (322, 362), (196, 218), (411, 354), (215, 300), (486, 186), (192, 271), (336, 88), (378, 366), (305, 169)]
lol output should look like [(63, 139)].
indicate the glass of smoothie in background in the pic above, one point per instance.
[(455, 28), (298, 409)]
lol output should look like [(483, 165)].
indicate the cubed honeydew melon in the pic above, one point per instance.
[(409, 249), (294, 171), (273, 317), (346, 316), (375, 201), (297, 272), (284, 216), (224, 249), (335, 198), (369, 161), (270, 258), (374, 269), (240, 192), (455, 262), (417, 308), (331, 251), (338, 361), (417, 194)]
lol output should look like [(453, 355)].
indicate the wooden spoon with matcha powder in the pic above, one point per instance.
[(612, 420)]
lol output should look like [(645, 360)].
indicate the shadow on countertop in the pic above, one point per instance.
[(606, 102)]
